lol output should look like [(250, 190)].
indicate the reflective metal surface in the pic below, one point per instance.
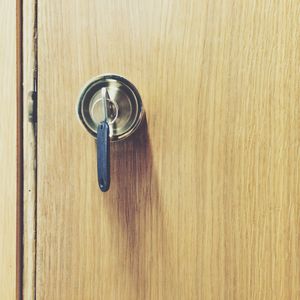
[(122, 103)]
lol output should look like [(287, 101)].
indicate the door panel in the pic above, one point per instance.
[(204, 200), (8, 150)]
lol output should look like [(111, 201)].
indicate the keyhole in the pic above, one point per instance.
[(98, 115), (111, 111)]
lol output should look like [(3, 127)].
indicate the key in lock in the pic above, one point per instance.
[(110, 109)]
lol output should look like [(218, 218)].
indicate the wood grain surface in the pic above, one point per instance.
[(8, 151), (205, 199), (29, 131)]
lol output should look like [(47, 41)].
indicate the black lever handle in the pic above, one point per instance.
[(103, 156)]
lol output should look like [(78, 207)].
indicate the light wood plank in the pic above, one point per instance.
[(8, 150), (29, 130), (204, 203)]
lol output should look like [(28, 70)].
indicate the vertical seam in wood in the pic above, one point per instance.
[(36, 126)]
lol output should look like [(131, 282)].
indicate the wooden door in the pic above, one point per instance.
[(204, 199)]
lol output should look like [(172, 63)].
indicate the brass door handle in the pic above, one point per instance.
[(110, 108)]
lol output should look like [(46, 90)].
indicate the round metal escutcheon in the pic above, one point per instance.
[(124, 106)]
